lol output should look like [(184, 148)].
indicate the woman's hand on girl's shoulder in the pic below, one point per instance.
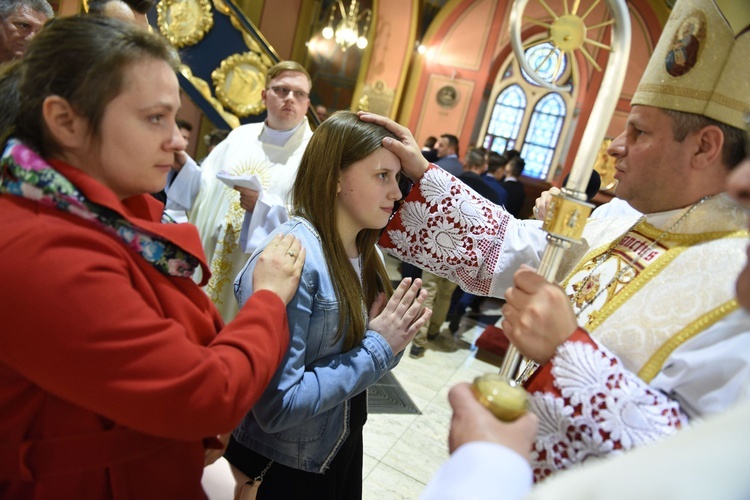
[(402, 316), (279, 267)]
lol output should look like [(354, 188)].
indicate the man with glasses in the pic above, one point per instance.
[(232, 222)]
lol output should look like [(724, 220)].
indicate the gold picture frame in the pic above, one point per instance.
[(239, 82), (184, 22), (447, 96), (605, 166)]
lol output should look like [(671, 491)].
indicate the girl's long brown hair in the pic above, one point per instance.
[(341, 140)]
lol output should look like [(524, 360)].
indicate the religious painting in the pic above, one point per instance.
[(686, 46), (605, 166)]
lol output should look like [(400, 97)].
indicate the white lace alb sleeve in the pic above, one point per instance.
[(710, 373), (447, 228)]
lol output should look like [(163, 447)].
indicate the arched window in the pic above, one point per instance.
[(506, 120), (528, 117), (543, 135)]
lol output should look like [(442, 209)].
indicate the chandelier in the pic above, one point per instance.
[(347, 29)]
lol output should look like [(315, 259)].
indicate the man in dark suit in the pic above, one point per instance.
[(428, 150), (447, 152), (514, 187), (474, 167), (494, 174)]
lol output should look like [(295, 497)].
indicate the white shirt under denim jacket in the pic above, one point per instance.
[(303, 416)]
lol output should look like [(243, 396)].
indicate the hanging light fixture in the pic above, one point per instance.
[(347, 31)]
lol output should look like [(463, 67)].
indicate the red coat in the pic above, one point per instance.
[(111, 373)]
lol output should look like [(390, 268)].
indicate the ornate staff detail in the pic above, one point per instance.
[(568, 33), (568, 212)]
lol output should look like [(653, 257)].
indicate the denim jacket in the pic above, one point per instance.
[(302, 419)]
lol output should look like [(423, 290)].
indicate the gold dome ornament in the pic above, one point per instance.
[(505, 398), (567, 31)]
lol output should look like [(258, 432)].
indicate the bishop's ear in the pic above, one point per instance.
[(66, 127), (710, 141)]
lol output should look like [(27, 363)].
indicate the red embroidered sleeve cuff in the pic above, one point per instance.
[(542, 380), (589, 404)]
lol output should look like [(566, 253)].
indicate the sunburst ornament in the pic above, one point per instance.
[(567, 32)]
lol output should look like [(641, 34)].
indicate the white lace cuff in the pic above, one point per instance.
[(591, 406)]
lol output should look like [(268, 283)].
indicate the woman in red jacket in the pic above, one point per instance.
[(113, 380)]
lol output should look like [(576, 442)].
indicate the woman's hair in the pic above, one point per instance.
[(83, 60), (10, 74), (340, 141)]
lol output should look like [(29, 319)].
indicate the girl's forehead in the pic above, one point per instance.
[(389, 159)]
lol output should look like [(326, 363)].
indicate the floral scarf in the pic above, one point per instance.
[(24, 173)]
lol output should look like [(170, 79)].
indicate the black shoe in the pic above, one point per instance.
[(416, 351), (433, 336), (455, 322), (476, 305)]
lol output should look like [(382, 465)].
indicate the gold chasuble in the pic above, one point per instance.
[(646, 268)]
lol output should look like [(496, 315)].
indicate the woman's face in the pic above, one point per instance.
[(368, 191), (138, 134)]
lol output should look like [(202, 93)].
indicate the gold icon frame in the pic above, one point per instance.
[(239, 82), (184, 22)]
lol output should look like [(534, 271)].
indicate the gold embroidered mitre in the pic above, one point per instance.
[(701, 64)]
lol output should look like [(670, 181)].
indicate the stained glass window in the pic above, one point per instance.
[(506, 119), (542, 135), (528, 117), (547, 60)]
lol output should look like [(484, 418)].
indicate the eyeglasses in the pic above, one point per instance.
[(282, 92)]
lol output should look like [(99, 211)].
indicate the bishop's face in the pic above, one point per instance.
[(649, 162)]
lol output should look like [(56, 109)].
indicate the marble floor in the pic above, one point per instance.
[(403, 451)]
